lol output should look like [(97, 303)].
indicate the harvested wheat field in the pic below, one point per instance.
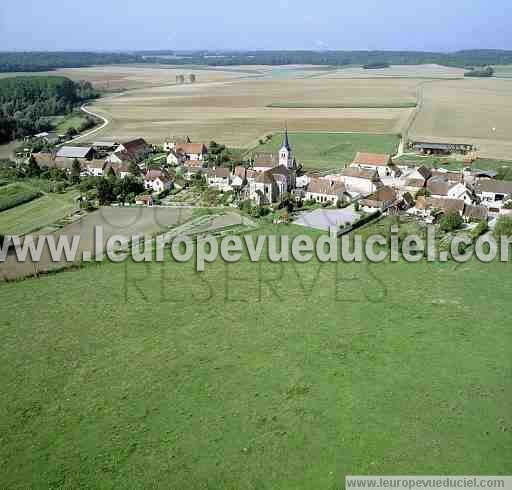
[(474, 111), (237, 112), (406, 71), (128, 77)]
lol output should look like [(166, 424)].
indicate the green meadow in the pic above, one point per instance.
[(330, 151), (254, 375)]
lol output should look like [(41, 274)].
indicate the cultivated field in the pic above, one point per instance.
[(329, 151), (37, 214), (114, 221), (254, 376), (128, 77), (13, 195), (405, 71), (239, 105), (236, 112), (475, 111)]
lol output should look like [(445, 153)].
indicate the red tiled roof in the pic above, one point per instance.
[(192, 148), (376, 159)]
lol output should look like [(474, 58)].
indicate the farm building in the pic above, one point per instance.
[(494, 193), (78, 152), (426, 148)]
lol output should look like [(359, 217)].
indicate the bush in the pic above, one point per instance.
[(450, 221), (479, 230), (503, 227)]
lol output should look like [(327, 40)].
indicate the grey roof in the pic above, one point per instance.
[(495, 186), (73, 152), (286, 144), (360, 173), (441, 146), (476, 212)]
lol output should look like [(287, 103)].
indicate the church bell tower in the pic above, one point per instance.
[(285, 153)]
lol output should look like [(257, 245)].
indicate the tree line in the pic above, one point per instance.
[(26, 103), (42, 61)]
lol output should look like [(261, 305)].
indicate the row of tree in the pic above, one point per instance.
[(488, 71), (180, 79), (42, 61)]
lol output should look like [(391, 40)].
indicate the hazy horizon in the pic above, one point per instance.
[(270, 25)]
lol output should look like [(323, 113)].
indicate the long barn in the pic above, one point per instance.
[(441, 148)]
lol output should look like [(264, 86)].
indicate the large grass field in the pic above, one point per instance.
[(326, 151), (37, 214), (254, 376)]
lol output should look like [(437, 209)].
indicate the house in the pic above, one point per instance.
[(447, 175), (381, 199), (493, 193), (360, 181), (157, 180), (175, 158), (326, 191), (50, 160), (119, 157), (474, 213), (219, 178), (439, 187), (190, 173), (239, 178), (78, 152), (413, 180), (118, 169), (192, 151), (382, 163), (173, 141), (136, 149), (432, 207), (95, 168)]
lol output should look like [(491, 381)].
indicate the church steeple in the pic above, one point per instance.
[(285, 153), (286, 144)]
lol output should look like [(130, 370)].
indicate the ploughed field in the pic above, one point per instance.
[(254, 375)]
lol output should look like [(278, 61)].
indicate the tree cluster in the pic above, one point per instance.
[(26, 103)]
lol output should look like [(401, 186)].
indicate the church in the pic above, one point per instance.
[(274, 174)]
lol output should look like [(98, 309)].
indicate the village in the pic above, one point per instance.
[(370, 184)]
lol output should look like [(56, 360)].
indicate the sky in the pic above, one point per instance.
[(428, 25)]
